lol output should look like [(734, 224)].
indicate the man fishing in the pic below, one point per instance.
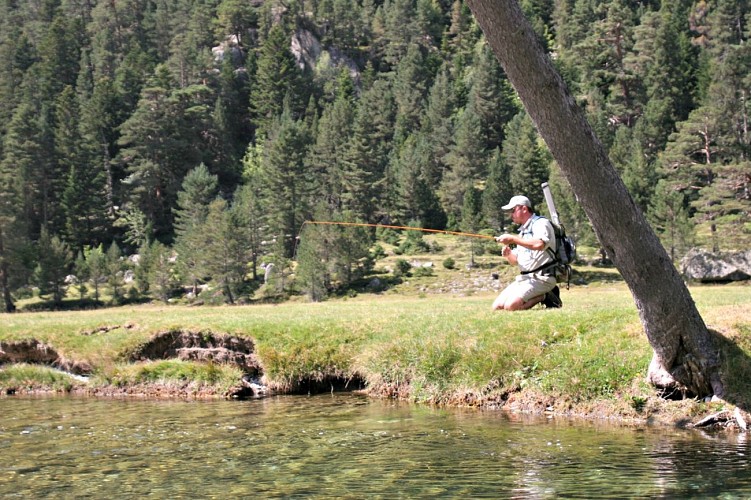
[(533, 252)]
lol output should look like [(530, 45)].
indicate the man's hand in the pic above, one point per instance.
[(506, 239)]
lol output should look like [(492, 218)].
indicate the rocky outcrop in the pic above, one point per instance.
[(708, 267), (309, 52)]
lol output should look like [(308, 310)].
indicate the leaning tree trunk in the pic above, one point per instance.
[(684, 356)]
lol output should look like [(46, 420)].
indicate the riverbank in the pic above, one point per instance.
[(587, 359)]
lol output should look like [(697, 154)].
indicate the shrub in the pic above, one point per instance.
[(402, 267), (449, 263), (423, 272)]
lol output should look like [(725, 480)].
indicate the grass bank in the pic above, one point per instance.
[(588, 358)]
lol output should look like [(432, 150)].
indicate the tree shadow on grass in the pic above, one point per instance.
[(736, 366), (582, 277), (78, 304)]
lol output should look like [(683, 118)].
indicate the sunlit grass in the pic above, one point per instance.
[(189, 376), (35, 377), (432, 347)]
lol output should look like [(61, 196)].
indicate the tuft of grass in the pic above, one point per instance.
[(171, 372), (35, 377)]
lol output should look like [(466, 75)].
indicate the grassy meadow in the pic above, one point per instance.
[(589, 357)]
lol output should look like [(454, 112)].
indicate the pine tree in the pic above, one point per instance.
[(526, 157), (116, 28), (668, 215), (236, 18), (312, 273), (638, 173), (100, 117), (286, 181), (438, 125), (605, 79), (137, 228), (471, 217), (199, 189), (430, 22), (399, 30), (28, 154), (226, 250), (114, 266), (13, 232), (410, 89), (190, 58), (707, 157), (350, 252), (370, 146), (96, 267), (53, 263), (494, 99), (84, 188), (59, 54), (466, 162), (169, 133), (497, 192), (277, 77), (81, 274), (161, 273), (416, 199), (232, 121), (462, 34), (664, 61), (246, 209), (16, 55), (340, 183)]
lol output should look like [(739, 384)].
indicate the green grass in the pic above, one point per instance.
[(35, 377), (188, 376), (433, 348)]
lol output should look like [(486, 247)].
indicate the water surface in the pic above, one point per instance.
[(346, 446)]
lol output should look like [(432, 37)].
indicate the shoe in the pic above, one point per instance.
[(553, 299)]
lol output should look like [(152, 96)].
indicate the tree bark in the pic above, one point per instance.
[(685, 358), (4, 286)]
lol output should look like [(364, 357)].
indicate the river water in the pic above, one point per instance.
[(347, 446)]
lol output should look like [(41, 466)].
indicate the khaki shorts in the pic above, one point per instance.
[(529, 286)]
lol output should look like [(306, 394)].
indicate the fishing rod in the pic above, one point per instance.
[(407, 228)]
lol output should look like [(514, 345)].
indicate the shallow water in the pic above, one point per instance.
[(346, 446)]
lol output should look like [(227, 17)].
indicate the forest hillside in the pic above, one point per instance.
[(197, 136)]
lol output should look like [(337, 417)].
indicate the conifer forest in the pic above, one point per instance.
[(187, 141)]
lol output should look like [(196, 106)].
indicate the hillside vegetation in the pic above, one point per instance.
[(201, 134)]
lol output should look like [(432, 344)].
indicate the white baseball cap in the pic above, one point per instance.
[(517, 200)]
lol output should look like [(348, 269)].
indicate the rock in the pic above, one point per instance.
[(309, 52), (705, 266), (267, 272), (375, 285), (739, 419)]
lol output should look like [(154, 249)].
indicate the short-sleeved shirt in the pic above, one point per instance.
[(538, 228)]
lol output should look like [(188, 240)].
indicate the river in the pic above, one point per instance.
[(347, 446)]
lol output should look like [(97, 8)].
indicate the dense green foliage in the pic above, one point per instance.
[(217, 127)]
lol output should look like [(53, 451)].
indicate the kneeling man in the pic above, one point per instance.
[(534, 253)]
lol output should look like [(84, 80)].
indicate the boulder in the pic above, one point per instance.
[(702, 265)]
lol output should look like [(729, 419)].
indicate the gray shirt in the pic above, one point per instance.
[(538, 228)]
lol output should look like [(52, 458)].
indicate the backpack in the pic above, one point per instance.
[(564, 255)]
